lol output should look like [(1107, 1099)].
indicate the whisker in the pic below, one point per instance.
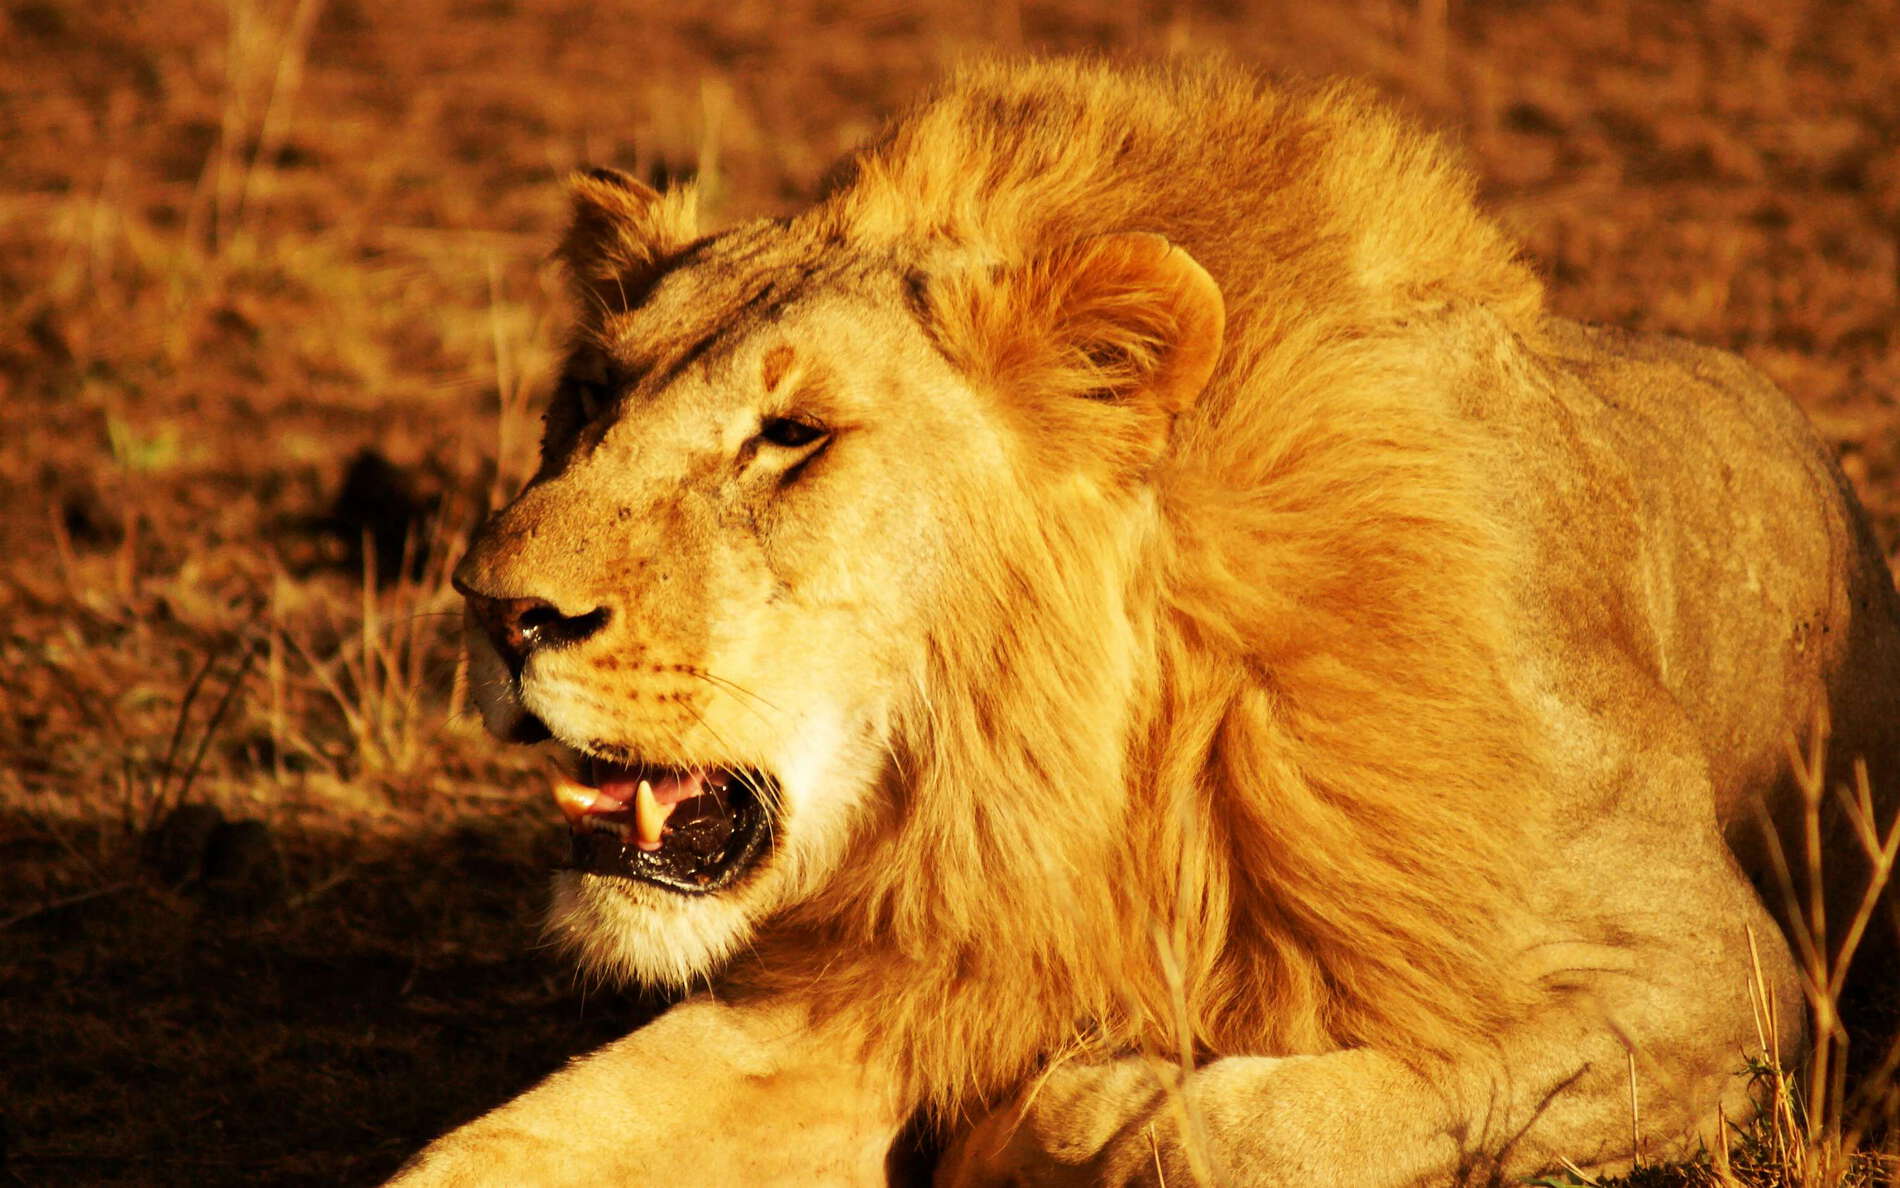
[(761, 718), (713, 678), (741, 773)]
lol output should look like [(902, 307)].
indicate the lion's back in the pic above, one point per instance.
[(1690, 513)]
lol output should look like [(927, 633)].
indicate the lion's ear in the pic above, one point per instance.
[(621, 233), (1122, 317)]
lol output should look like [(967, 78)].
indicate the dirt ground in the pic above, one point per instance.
[(275, 321)]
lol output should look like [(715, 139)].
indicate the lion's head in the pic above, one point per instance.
[(788, 476), (1032, 550)]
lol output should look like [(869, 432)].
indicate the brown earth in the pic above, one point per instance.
[(274, 295)]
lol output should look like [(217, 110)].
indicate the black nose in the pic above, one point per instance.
[(520, 626)]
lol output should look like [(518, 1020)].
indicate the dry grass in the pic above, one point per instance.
[(1816, 1124), (243, 243), (1821, 1125)]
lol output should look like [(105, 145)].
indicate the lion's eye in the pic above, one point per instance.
[(587, 397), (591, 398), (790, 432)]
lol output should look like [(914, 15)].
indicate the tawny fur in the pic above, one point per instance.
[(1230, 590)]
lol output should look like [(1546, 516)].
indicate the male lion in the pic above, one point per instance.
[(1134, 579)]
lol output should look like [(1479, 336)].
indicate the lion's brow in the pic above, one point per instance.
[(772, 294)]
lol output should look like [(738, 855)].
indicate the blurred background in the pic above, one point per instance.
[(276, 321)]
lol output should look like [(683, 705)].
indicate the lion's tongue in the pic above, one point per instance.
[(652, 796)]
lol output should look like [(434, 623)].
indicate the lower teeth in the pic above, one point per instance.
[(704, 837)]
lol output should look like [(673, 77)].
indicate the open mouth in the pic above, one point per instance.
[(690, 829)]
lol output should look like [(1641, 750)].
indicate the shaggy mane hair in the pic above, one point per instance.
[(1228, 757)]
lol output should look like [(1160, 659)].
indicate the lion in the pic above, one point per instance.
[(1128, 632)]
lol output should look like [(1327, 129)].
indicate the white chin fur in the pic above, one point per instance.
[(631, 932)]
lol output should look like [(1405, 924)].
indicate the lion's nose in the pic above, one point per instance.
[(521, 626)]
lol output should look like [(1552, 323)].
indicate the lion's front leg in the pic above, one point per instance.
[(706, 1094), (1346, 1118), (1556, 1088), (1357, 1117)]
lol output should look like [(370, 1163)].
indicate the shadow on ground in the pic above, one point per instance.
[(230, 1032)]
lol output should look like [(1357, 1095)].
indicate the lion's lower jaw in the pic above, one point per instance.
[(634, 932), (630, 932)]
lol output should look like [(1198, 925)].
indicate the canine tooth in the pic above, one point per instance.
[(648, 817), (576, 799)]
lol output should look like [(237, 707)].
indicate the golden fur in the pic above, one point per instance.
[(1334, 883), (1153, 650)]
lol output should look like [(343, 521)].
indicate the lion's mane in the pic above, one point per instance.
[(1235, 761)]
